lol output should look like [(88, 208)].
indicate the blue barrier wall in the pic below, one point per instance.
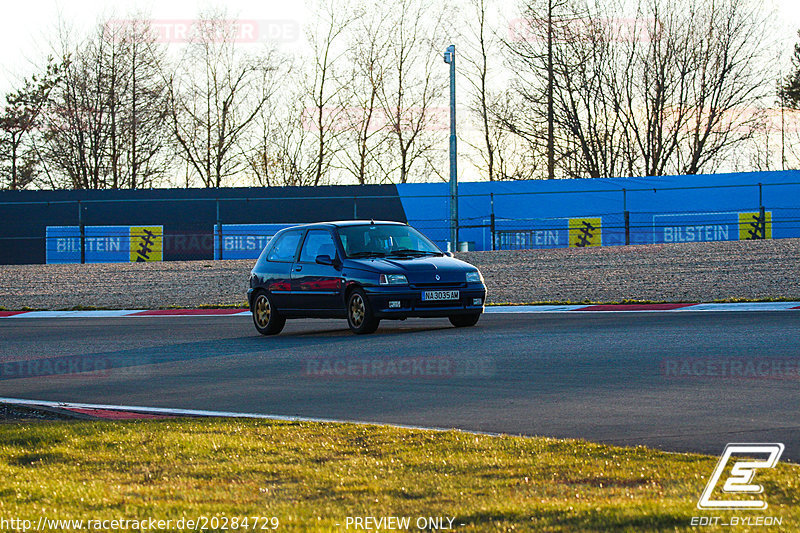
[(527, 214), (662, 209), (187, 218)]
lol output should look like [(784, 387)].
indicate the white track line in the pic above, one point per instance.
[(491, 309), (523, 309), (708, 307), (743, 306), (220, 414), (129, 313), (258, 416), (74, 314)]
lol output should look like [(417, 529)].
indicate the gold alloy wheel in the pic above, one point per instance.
[(263, 311), (357, 310)]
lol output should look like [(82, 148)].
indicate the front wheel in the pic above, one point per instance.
[(360, 317), (265, 317), (463, 321)]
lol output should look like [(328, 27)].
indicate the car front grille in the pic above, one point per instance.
[(438, 285), (438, 303)]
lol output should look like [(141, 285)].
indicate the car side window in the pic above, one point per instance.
[(318, 242), (285, 246)]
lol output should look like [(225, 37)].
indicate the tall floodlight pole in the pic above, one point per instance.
[(450, 58), (551, 158)]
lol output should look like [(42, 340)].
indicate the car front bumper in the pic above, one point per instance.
[(250, 292), (412, 305)]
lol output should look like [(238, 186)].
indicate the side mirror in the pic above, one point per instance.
[(324, 260), (449, 254)]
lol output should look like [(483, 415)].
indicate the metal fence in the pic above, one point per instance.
[(100, 230), (641, 218), (238, 227)]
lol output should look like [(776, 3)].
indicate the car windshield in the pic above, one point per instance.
[(380, 240)]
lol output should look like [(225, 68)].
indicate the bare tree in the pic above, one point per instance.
[(20, 117), (503, 148), (297, 139), (103, 124), (364, 138), (585, 123), (284, 150), (477, 60), (413, 85), (528, 108), (516, 139), (215, 96), (789, 89), (75, 136), (363, 103), (669, 91), (324, 84), (731, 76), (650, 83), (138, 103)]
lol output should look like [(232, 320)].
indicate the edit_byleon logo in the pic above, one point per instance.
[(729, 494)]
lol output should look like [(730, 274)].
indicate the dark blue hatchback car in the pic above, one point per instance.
[(364, 271)]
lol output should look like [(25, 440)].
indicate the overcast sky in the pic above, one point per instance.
[(29, 25), (26, 24)]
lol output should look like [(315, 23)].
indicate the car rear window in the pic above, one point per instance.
[(285, 247), (318, 242)]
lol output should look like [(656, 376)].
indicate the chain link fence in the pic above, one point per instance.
[(100, 230)]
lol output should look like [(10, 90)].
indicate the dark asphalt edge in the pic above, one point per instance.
[(243, 305), (14, 412)]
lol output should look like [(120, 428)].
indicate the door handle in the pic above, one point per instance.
[(298, 268)]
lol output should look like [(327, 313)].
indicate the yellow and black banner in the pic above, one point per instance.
[(585, 232), (754, 226), (146, 243)]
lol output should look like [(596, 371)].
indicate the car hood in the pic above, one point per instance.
[(418, 269)]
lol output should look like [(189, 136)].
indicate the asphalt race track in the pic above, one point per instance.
[(621, 378)]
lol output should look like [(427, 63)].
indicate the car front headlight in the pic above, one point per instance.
[(393, 279), (474, 277)]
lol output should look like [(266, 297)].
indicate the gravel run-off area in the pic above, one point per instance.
[(703, 272)]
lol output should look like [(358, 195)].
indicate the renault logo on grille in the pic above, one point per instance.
[(438, 277)]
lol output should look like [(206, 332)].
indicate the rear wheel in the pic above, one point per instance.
[(360, 317), (463, 321), (265, 317)]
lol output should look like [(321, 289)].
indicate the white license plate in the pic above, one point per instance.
[(431, 296)]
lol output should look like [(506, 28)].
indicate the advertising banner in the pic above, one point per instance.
[(706, 227), (104, 244), (244, 241), (577, 232)]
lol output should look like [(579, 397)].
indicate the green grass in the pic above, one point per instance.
[(242, 305), (86, 308), (313, 476)]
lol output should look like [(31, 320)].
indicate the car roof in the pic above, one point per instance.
[(345, 223)]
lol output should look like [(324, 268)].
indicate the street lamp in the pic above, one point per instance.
[(450, 58)]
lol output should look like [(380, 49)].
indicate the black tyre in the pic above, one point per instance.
[(465, 321), (266, 318), (360, 317)]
